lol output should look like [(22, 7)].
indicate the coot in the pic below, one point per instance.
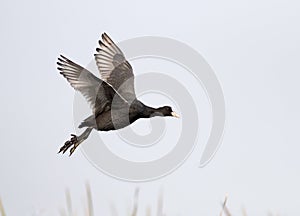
[(112, 98)]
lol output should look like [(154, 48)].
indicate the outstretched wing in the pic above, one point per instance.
[(97, 92), (114, 68)]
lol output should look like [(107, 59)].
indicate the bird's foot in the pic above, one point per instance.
[(73, 141)]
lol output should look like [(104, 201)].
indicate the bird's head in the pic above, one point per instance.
[(167, 111)]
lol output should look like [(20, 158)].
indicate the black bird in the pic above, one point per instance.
[(112, 98)]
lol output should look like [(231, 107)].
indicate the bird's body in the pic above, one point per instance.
[(120, 117), (112, 98)]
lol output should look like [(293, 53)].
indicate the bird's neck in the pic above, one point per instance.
[(144, 111), (150, 112)]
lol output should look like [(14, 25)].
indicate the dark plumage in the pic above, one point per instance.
[(112, 98)]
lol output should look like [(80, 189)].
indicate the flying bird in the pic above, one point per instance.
[(112, 98)]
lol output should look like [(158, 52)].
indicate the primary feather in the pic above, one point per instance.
[(114, 68)]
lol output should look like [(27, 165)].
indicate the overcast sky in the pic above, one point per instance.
[(253, 47)]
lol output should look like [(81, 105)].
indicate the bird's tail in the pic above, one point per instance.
[(88, 122)]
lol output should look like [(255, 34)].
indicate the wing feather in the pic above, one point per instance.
[(114, 68), (97, 92)]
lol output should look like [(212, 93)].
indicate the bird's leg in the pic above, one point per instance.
[(80, 139), (68, 144), (75, 141)]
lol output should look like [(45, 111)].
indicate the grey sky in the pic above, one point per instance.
[(253, 47)]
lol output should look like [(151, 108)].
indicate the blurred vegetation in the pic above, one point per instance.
[(159, 212), (2, 209)]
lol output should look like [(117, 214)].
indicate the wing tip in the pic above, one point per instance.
[(102, 44), (62, 56), (106, 38), (103, 35), (62, 59)]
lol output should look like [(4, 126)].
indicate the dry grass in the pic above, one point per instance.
[(135, 207), (2, 209), (134, 212)]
